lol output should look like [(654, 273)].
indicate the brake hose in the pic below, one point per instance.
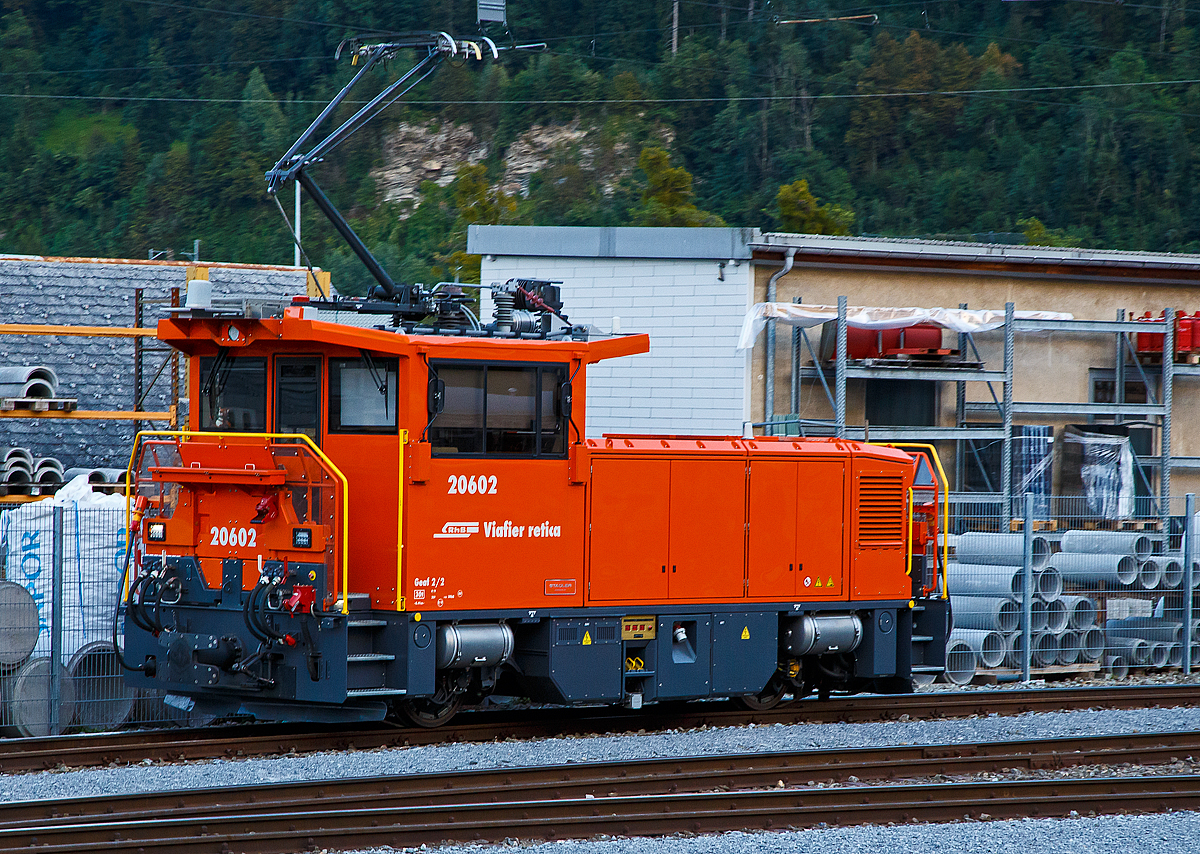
[(248, 610), (141, 668)]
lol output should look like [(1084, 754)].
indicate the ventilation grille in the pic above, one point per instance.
[(606, 633), (880, 510), (568, 634)]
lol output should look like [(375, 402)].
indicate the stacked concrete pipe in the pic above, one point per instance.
[(1172, 572), (104, 702), (39, 382), (18, 625), (27, 698), (989, 646), (961, 663), (1150, 574), (1069, 649), (1116, 666), (47, 475), (1081, 611), (16, 470), (22, 474), (1091, 644), (989, 613), (1135, 651)]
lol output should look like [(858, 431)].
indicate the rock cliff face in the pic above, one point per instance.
[(416, 153), (429, 152), (532, 151)]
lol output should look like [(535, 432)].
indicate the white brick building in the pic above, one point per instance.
[(688, 288)]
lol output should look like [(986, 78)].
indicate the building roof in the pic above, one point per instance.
[(891, 253), (592, 242), (895, 247), (99, 371)]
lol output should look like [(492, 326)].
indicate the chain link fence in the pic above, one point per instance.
[(1071, 586), (61, 565)]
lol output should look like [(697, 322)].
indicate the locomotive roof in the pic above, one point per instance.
[(205, 335)]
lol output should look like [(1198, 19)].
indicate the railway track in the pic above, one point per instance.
[(693, 794), (81, 751)]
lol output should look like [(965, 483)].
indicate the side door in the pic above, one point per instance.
[(630, 509), (771, 568), (708, 529), (821, 529)]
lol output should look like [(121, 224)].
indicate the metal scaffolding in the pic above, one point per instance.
[(966, 432)]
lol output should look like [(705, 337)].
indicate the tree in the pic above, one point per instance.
[(1036, 234), (801, 213), (667, 199), (260, 117)]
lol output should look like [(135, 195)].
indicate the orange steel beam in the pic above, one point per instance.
[(94, 415), (92, 331)]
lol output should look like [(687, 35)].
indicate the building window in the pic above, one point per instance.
[(1104, 389), (499, 410), (362, 396), (901, 403), (233, 394)]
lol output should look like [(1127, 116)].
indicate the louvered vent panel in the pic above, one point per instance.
[(880, 509)]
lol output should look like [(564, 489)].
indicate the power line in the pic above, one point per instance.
[(899, 93)]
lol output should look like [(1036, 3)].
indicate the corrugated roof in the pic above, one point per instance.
[(911, 248), (99, 371)]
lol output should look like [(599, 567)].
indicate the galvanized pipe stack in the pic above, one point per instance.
[(986, 586)]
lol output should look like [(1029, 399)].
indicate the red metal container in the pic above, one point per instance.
[(873, 343), (1149, 342), (1185, 333)]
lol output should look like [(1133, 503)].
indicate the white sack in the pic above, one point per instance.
[(93, 550)]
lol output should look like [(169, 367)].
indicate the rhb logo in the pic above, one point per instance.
[(457, 530)]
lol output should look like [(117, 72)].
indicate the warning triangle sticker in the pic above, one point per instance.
[(818, 582), (830, 583), (587, 638), (746, 633)]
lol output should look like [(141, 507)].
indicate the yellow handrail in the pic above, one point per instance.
[(933, 455), (908, 537), (400, 524), (312, 446)]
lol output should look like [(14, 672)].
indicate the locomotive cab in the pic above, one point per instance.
[(407, 518)]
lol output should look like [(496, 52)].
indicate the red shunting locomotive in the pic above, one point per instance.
[(410, 517)]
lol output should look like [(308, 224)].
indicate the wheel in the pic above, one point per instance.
[(429, 712), (767, 698)]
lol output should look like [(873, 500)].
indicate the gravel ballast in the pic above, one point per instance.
[(449, 757), (1174, 833)]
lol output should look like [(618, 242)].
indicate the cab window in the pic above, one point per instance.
[(362, 395), (498, 410), (298, 396), (233, 394)]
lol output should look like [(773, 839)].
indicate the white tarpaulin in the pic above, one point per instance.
[(864, 317), (93, 548)]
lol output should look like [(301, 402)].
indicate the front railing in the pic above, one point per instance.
[(165, 462)]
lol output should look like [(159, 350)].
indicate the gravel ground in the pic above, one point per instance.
[(1140, 677), (1175, 833), (446, 757)]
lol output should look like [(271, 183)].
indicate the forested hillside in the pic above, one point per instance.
[(131, 125)]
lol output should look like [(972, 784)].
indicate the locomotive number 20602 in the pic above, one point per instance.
[(464, 485), (233, 536)]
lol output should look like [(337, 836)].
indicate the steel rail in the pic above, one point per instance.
[(35, 754), (322, 823), (578, 780)]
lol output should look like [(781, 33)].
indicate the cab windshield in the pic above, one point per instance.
[(233, 394)]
